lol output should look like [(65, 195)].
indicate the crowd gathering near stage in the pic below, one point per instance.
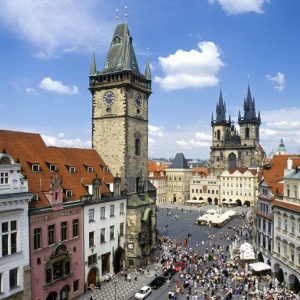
[(208, 270)]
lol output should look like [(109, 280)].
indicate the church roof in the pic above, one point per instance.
[(179, 162), (121, 55)]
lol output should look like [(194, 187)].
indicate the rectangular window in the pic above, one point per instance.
[(13, 278), (75, 228), (64, 230), (3, 177), (91, 239), (92, 259), (121, 208), (35, 167), (121, 229), (76, 285), (51, 234), (91, 215), (72, 169), (52, 168), (102, 235), (112, 232), (102, 213), (90, 169), (112, 210), (9, 235)]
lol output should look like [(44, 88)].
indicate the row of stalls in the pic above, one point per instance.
[(215, 218)]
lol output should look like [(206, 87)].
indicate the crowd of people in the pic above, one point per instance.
[(207, 271)]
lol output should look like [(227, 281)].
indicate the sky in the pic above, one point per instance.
[(196, 48)]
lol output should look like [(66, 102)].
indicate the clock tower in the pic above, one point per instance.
[(120, 111)]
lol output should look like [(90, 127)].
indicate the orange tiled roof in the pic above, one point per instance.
[(287, 205), (274, 171), (157, 169), (204, 171), (30, 148), (242, 170)]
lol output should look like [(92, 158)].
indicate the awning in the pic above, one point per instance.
[(259, 266)]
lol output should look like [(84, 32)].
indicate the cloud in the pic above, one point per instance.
[(30, 91), (191, 69), (278, 81), (189, 144), (234, 7), (155, 131), (53, 27), (57, 87), (61, 141)]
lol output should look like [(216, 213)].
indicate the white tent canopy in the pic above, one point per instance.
[(259, 266)]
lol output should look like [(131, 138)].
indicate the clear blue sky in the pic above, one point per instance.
[(46, 49)]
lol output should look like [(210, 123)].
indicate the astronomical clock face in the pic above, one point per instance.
[(109, 98), (138, 100)]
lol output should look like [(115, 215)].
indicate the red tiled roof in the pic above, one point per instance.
[(274, 171), (242, 170), (288, 205), (157, 169), (30, 148), (204, 171)]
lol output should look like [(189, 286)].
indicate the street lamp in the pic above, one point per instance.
[(115, 285)]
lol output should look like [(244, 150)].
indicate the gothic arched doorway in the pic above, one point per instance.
[(260, 257)]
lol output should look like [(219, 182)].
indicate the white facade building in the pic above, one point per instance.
[(105, 225), (14, 229)]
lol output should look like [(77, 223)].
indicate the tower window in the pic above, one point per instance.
[(218, 135), (137, 147), (247, 133)]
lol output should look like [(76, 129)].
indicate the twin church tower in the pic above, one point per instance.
[(120, 95)]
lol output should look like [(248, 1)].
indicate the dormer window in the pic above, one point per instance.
[(90, 169), (35, 167), (4, 178), (105, 169), (72, 169), (35, 198), (52, 167), (69, 193)]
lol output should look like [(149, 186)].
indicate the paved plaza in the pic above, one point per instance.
[(180, 221)]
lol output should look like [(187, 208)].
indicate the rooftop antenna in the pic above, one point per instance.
[(117, 15), (126, 15)]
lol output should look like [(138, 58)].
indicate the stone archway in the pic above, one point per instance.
[(209, 200), (216, 201), (247, 203), (294, 283), (65, 293), (52, 296), (238, 202), (260, 257)]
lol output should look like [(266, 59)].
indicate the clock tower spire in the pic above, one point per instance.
[(120, 96)]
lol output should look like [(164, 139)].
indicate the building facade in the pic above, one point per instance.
[(179, 176), (15, 272), (239, 185), (205, 188), (230, 148), (157, 176)]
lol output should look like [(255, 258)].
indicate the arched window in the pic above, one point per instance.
[(218, 135), (232, 161), (288, 190), (295, 191), (137, 147)]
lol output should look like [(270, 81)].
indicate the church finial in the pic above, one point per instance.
[(126, 15), (93, 69), (117, 15), (147, 69)]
